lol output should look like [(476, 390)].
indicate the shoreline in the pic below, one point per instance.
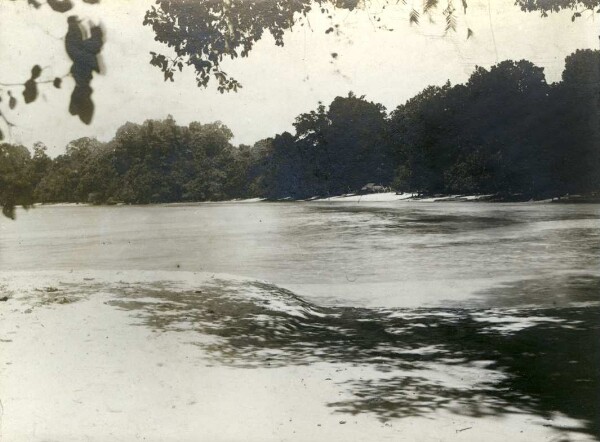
[(370, 197)]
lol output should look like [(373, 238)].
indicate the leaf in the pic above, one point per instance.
[(450, 20), (36, 71), (464, 4), (57, 82), (1, 135), (429, 4), (84, 53), (414, 17), (81, 103), (12, 101), (469, 33), (60, 5), (31, 92), (34, 3)]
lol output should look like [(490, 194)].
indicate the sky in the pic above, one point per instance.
[(388, 67)]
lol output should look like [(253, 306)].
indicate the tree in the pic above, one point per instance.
[(202, 34), (15, 185), (573, 123), (336, 149), (505, 131)]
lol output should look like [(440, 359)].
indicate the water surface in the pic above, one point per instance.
[(372, 254), (476, 309)]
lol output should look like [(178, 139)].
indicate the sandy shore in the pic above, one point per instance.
[(74, 367)]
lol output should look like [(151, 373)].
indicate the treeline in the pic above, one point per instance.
[(506, 131)]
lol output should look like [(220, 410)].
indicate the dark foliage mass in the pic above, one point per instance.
[(20, 173), (505, 132), (201, 34)]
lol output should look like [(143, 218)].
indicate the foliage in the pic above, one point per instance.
[(343, 147), (506, 131), (19, 175), (546, 6), (155, 162), (83, 53), (201, 34)]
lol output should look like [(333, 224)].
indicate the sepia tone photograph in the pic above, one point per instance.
[(300, 220)]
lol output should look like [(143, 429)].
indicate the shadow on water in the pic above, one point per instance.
[(538, 361), (558, 290), (438, 220), (417, 222)]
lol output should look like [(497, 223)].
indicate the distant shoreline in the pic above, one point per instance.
[(372, 197)]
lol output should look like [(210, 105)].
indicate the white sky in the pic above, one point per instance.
[(279, 83)]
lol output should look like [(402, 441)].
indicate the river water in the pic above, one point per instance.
[(398, 254), (477, 310)]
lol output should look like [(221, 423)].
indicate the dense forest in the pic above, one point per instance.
[(506, 131)]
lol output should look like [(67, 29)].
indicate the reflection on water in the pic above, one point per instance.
[(550, 291), (537, 361)]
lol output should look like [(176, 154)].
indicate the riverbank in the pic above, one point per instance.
[(388, 197), (492, 198)]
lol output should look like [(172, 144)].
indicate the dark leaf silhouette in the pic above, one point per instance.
[(84, 54), (450, 18), (57, 82), (60, 5), (429, 4), (81, 103), (31, 91), (34, 3), (414, 17), (36, 71), (12, 101)]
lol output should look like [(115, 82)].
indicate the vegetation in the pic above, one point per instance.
[(506, 131), (201, 34)]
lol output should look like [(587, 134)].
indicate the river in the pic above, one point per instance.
[(502, 298), (378, 254)]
